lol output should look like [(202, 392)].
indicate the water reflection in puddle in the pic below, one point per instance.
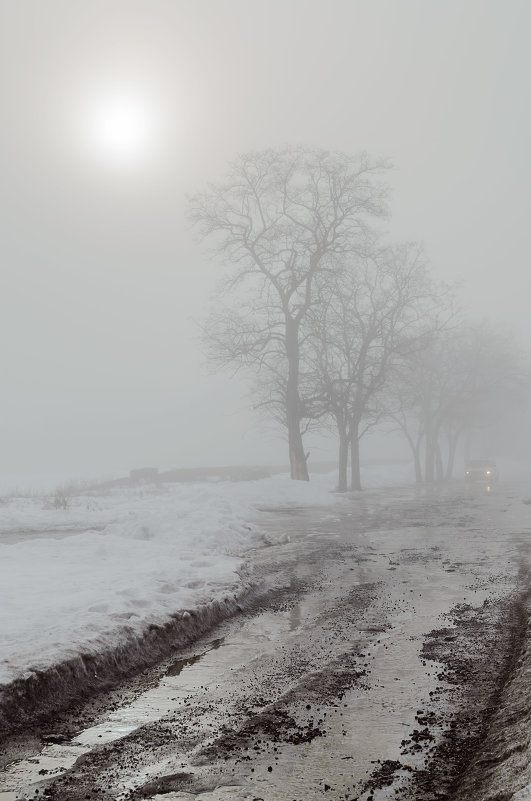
[(177, 667)]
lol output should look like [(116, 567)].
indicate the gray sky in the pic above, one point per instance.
[(101, 367)]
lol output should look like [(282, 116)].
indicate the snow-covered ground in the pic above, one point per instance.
[(73, 579)]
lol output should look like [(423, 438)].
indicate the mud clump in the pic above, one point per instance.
[(276, 724), (163, 785)]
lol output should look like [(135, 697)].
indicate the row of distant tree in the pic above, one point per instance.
[(340, 328)]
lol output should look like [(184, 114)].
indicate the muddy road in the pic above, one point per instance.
[(390, 661)]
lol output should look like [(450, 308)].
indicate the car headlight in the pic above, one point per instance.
[(488, 472)]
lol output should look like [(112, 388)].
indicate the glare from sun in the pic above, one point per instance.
[(120, 127)]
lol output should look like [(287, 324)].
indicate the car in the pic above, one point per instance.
[(481, 470)]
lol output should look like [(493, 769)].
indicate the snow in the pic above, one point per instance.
[(72, 580)]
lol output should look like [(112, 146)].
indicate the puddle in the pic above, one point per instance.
[(177, 667)]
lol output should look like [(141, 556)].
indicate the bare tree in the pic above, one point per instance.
[(278, 220), (416, 397), (367, 317), (400, 401), (488, 378), (462, 378)]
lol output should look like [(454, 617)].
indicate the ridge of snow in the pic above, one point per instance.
[(78, 579)]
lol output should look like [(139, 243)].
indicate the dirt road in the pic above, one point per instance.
[(391, 661)]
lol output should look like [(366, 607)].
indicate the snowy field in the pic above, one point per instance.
[(73, 579)]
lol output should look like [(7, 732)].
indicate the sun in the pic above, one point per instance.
[(120, 127)]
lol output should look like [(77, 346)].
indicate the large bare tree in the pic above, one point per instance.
[(367, 317), (279, 221)]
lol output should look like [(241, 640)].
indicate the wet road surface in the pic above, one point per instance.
[(379, 667)]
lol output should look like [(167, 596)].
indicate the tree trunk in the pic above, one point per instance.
[(431, 440), (468, 446), (452, 446), (431, 435), (355, 473), (439, 463), (415, 449), (343, 459), (429, 470), (418, 466), (297, 457)]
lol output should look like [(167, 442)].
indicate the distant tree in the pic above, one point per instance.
[(367, 317), (488, 378), (280, 219), (401, 407), (463, 377)]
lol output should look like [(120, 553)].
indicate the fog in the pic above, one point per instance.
[(104, 286)]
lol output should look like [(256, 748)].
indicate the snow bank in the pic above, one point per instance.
[(123, 561), (80, 579)]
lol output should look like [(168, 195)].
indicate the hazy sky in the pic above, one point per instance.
[(101, 282)]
